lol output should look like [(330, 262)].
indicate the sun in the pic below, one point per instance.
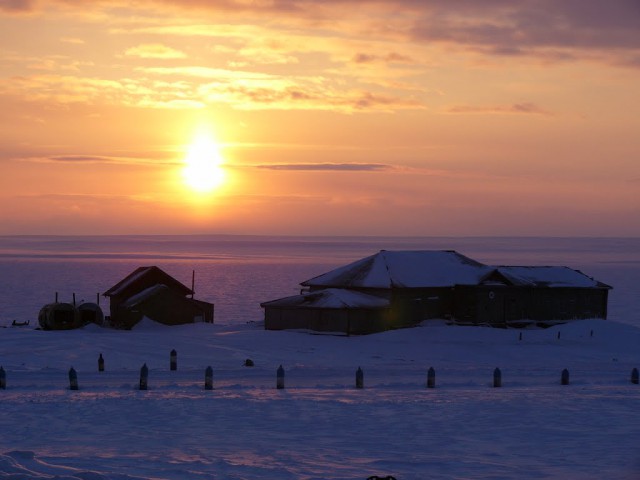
[(203, 172)]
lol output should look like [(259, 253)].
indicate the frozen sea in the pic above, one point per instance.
[(237, 273)]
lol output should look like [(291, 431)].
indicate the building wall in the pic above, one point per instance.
[(498, 305), (167, 308), (569, 303), (171, 311), (413, 305), (350, 321), (207, 310), (485, 304)]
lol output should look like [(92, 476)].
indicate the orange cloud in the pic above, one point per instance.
[(17, 6), (335, 167), (154, 50), (516, 108)]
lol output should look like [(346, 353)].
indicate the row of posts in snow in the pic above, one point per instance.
[(208, 375), (208, 378)]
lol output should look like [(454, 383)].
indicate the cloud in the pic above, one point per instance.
[(135, 92), (339, 167), (308, 97), (516, 108), (488, 25), (246, 90), (17, 6), (369, 62), (555, 28), (61, 89), (154, 50), (493, 24), (531, 28), (72, 40), (148, 159), (389, 58), (85, 196), (196, 87), (80, 159), (208, 72)]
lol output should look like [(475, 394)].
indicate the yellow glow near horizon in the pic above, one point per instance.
[(203, 172)]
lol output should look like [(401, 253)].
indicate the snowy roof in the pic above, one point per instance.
[(158, 275), (330, 298), (548, 277), (144, 295), (405, 269)]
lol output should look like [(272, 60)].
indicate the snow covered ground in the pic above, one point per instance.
[(320, 426)]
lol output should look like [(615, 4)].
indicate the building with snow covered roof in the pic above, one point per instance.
[(152, 293), (392, 289), (403, 269), (330, 310), (541, 295)]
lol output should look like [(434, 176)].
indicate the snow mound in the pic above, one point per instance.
[(147, 324)]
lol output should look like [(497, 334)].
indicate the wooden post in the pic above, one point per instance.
[(520, 337), (558, 335), (3, 379), (173, 360), (280, 378), (564, 378), (73, 379), (431, 378), (359, 378), (100, 363), (497, 378), (635, 377), (208, 378), (144, 376)]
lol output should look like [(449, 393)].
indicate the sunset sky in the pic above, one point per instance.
[(340, 117)]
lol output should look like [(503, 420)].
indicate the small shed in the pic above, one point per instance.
[(330, 310), (150, 292)]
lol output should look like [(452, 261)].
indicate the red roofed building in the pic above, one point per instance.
[(152, 293)]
